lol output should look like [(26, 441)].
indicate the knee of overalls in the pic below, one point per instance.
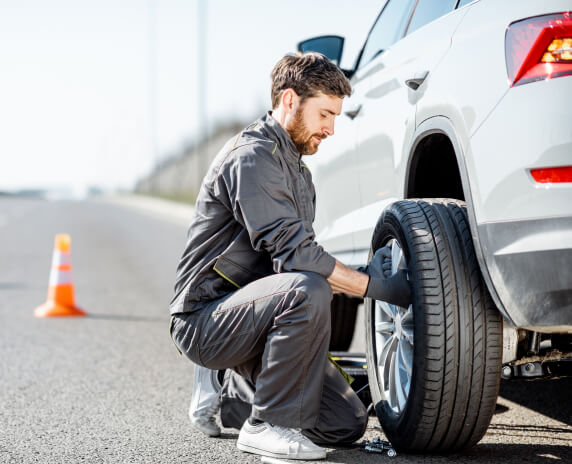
[(317, 292)]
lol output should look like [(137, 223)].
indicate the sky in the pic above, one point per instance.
[(96, 92)]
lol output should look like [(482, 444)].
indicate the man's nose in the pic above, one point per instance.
[(329, 130)]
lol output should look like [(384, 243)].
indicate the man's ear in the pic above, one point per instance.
[(290, 100)]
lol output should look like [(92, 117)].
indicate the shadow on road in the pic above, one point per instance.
[(119, 317), (12, 285), (511, 430), (512, 452), (549, 397)]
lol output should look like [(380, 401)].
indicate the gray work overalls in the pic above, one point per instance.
[(251, 292)]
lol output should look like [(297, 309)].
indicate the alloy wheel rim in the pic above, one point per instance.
[(394, 342)]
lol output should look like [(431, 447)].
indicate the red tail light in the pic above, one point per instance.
[(552, 175), (539, 48)]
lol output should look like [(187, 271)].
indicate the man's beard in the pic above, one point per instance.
[(301, 135)]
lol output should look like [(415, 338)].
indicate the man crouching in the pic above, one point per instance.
[(254, 288)]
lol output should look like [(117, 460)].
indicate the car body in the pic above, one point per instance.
[(451, 100), (497, 133)]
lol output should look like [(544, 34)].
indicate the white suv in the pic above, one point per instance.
[(455, 149)]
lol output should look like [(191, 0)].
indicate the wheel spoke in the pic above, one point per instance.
[(385, 327), (407, 326), (388, 309), (386, 351), (404, 357), (408, 334), (401, 399), (391, 380), (407, 318), (388, 362)]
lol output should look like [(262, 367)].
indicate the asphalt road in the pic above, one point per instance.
[(112, 388)]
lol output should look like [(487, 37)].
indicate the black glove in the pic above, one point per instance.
[(394, 290), (380, 264)]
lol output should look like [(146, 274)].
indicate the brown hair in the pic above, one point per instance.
[(308, 74)]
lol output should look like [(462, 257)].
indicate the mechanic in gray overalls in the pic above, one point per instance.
[(254, 289)]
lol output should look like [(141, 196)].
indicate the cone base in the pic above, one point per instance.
[(52, 309)]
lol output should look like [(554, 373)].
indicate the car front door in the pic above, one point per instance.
[(373, 127)]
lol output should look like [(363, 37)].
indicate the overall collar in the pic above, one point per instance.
[(277, 133)]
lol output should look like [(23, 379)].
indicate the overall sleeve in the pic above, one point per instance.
[(264, 205)]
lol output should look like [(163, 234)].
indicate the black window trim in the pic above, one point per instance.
[(356, 66), (416, 5)]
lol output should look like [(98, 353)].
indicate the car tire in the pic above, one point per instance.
[(434, 368), (343, 311)]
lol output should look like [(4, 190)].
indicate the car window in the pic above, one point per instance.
[(429, 10), (387, 29)]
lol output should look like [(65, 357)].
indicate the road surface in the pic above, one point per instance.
[(111, 387)]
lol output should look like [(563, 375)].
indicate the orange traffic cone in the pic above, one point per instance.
[(60, 292)]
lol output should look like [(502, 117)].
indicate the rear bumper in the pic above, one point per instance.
[(530, 264)]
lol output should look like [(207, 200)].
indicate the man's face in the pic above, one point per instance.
[(313, 121)]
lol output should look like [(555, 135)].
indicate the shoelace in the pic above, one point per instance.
[(292, 435)]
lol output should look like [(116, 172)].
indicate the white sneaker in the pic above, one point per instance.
[(205, 403), (277, 442)]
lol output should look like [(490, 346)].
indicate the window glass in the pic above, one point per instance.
[(463, 3), (429, 10), (387, 29), (329, 45)]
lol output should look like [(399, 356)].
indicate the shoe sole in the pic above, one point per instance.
[(262, 452), (210, 433)]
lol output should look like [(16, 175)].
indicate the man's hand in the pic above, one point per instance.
[(380, 264), (373, 281), (394, 289)]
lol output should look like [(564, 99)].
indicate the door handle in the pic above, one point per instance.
[(353, 111), (417, 80)]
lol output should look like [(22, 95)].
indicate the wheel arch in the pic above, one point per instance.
[(430, 136)]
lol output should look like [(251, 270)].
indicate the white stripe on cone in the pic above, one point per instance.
[(60, 277), (61, 258)]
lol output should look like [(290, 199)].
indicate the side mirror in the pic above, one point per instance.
[(328, 45), (331, 46)]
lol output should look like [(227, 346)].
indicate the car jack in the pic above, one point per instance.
[(378, 446)]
